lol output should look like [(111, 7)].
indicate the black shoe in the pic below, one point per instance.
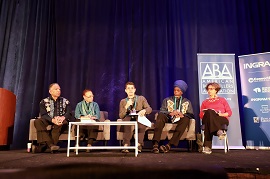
[(38, 148), (155, 149), (200, 145), (34, 148)]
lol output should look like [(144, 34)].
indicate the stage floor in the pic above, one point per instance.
[(253, 162)]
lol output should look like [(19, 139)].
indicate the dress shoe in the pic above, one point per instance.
[(164, 148), (207, 150), (38, 148), (54, 148), (139, 148), (88, 150), (221, 134), (125, 150), (34, 148), (155, 149), (76, 149)]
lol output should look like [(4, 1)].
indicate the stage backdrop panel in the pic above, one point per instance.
[(220, 68), (255, 84)]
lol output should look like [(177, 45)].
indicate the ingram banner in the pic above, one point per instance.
[(220, 68), (255, 84)]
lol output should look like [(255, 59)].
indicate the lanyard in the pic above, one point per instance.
[(179, 107), (89, 108), (135, 102)]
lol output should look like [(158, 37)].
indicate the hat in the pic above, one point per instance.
[(181, 84)]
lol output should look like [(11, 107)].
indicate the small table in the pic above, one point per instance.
[(78, 124)]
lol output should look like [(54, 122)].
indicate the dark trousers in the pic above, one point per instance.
[(47, 136), (127, 133), (91, 132), (179, 130), (212, 122)]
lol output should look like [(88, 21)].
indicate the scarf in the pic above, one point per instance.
[(87, 109)]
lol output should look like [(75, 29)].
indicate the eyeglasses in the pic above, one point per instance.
[(89, 96), (211, 88)]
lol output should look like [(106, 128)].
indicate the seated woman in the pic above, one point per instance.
[(214, 113), (88, 108)]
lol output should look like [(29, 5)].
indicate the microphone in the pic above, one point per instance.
[(132, 111), (131, 99)]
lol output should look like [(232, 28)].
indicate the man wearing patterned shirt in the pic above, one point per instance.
[(175, 109), (54, 110)]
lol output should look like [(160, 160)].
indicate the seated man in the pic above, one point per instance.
[(174, 109), (137, 105), (55, 111)]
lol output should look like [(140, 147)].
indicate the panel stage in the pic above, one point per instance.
[(112, 163)]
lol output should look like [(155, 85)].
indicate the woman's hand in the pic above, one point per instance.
[(223, 114)]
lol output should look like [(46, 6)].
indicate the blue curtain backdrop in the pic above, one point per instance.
[(102, 44)]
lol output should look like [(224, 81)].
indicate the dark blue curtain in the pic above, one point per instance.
[(102, 44)]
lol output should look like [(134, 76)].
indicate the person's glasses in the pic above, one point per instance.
[(89, 96), (210, 88)]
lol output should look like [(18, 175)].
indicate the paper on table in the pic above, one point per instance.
[(175, 119), (143, 120), (86, 119)]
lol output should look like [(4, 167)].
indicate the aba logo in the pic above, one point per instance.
[(257, 90), (217, 70)]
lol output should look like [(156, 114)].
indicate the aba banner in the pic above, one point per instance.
[(220, 68), (255, 84)]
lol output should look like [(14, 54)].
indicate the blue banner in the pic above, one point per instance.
[(255, 84), (220, 68)]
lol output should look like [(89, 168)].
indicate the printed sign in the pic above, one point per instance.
[(255, 78), (220, 68)]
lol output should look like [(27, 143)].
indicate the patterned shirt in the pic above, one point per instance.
[(185, 106), (49, 108)]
